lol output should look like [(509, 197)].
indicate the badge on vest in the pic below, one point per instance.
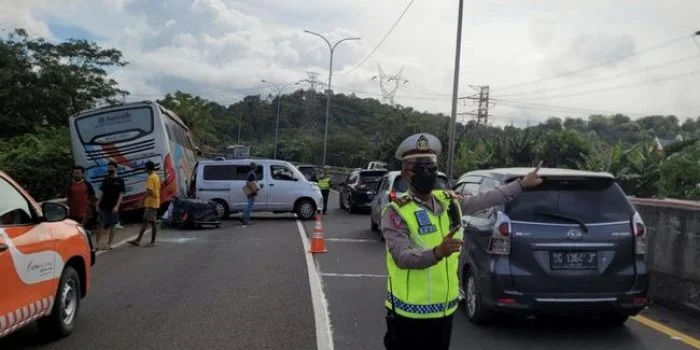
[(425, 226)]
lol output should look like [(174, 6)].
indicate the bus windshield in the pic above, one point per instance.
[(116, 125)]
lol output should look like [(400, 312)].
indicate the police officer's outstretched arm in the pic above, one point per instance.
[(398, 243), (502, 194)]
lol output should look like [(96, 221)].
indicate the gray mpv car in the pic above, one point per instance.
[(574, 244)]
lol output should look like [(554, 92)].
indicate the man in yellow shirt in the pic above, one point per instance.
[(151, 204)]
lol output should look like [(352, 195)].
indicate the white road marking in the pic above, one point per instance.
[(122, 242), (330, 274), (351, 240), (324, 333)]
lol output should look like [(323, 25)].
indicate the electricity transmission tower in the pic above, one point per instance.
[(389, 84), (482, 97), (312, 80)]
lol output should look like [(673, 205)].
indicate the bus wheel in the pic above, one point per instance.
[(222, 211)]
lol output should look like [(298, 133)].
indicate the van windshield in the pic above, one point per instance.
[(591, 200), (116, 125)]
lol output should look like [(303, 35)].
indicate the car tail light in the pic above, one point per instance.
[(500, 239), (507, 301), (639, 231), (504, 229), (640, 300), (392, 195)]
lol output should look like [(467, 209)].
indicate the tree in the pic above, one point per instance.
[(43, 83), (195, 112)]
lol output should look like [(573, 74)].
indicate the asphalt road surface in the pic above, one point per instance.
[(353, 272), (249, 288), (227, 288)]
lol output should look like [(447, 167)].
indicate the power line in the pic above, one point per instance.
[(382, 41), (603, 63), (673, 77), (557, 108), (623, 74)]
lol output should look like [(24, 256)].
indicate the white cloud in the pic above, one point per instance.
[(217, 47)]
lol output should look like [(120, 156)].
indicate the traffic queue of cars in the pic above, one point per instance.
[(573, 245), (45, 263)]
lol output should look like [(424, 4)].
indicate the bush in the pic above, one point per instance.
[(41, 162)]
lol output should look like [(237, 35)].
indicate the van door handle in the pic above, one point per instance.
[(272, 185), (3, 247)]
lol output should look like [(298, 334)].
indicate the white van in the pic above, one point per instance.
[(283, 188)]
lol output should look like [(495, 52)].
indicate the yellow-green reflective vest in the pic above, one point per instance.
[(432, 292), (324, 183)]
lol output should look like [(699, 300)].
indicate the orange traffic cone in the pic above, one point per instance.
[(318, 245)]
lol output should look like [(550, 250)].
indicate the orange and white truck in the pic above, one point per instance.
[(45, 263)]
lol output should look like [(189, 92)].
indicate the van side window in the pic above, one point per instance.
[(282, 173), (243, 170), (229, 172), (14, 208)]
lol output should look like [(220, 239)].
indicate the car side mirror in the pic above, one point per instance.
[(54, 212)]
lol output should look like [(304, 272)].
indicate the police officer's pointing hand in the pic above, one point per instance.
[(449, 245), (532, 179)]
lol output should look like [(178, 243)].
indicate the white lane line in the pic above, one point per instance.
[(329, 274), (122, 242), (351, 240), (324, 333)]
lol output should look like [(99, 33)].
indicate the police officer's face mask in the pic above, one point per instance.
[(424, 175)]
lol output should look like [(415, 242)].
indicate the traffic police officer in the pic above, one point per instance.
[(423, 234), (324, 183)]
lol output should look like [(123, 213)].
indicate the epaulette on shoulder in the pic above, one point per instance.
[(402, 200)]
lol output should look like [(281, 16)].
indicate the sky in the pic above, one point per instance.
[(540, 58)]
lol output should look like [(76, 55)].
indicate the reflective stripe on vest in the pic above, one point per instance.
[(324, 183), (434, 291)]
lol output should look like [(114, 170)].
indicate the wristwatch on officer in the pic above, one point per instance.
[(435, 254)]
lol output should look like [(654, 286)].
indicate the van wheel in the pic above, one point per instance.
[(305, 209), (222, 211), (64, 312), (476, 311)]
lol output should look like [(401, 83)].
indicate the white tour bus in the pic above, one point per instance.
[(132, 134)]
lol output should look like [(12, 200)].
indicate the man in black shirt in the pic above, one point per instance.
[(113, 190)]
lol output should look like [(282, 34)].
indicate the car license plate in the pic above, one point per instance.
[(573, 260)]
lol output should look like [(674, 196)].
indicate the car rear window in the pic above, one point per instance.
[(371, 179), (371, 176), (592, 200), (400, 184)]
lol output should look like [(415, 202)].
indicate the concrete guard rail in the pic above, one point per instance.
[(673, 255)]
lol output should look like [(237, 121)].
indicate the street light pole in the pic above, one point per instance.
[(329, 93), (279, 101), (455, 90), (240, 121)]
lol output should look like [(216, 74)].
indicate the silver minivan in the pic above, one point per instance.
[(283, 188)]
